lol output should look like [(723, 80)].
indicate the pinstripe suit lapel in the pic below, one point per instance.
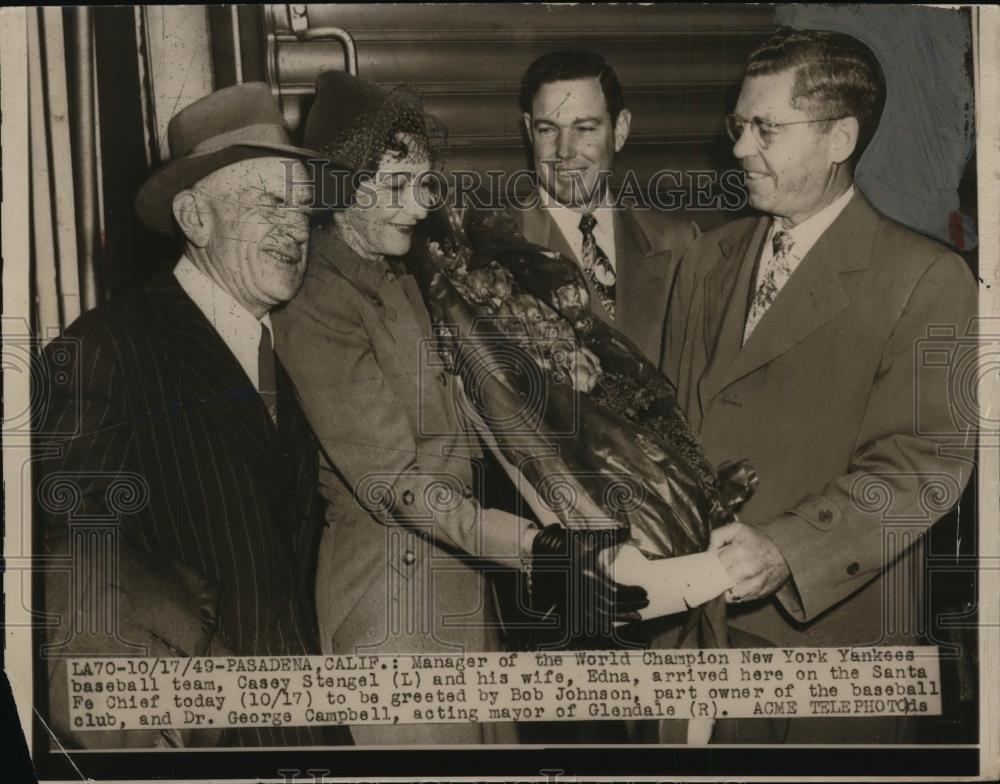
[(297, 449), (210, 379), (298, 457)]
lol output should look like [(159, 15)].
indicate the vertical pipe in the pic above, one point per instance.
[(85, 159), (61, 163), (44, 268), (234, 15), (100, 227), (146, 91)]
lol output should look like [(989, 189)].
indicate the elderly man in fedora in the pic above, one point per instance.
[(176, 387)]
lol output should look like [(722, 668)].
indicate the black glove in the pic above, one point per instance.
[(568, 582)]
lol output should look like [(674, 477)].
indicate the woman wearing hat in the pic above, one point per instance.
[(404, 557)]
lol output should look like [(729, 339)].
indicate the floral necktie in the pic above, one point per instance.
[(776, 272), (596, 265)]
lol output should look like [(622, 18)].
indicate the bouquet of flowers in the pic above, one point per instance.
[(588, 420)]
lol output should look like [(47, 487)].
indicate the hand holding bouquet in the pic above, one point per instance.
[(588, 420)]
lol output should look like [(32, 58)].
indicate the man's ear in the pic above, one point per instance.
[(622, 126), (526, 120), (194, 217), (844, 139)]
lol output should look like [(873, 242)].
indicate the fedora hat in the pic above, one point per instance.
[(225, 127)]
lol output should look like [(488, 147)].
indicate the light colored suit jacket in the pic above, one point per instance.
[(839, 408), (394, 573), (648, 245)]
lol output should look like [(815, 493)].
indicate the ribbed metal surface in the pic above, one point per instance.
[(539, 22), (680, 65)]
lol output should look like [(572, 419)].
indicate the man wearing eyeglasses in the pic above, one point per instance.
[(793, 339)]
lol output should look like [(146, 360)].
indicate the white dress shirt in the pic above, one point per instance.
[(239, 329), (805, 235), (568, 221)]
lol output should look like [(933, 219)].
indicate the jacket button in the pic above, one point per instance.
[(408, 497), (466, 491), (442, 379), (853, 568), (826, 516), (409, 557)]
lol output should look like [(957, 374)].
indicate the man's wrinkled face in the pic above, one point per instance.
[(791, 177), (259, 231), (386, 208), (574, 140)]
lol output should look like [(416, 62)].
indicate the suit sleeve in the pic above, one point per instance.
[(366, 436), (907, 463), (83, 433)]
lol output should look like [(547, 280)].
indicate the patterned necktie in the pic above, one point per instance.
[(775, 274), (266, 373), (596, 265)]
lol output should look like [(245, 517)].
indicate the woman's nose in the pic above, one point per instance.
[(415, 204)]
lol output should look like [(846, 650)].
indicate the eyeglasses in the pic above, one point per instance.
[(763, 130)]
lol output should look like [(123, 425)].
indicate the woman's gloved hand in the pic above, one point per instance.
[(568, 580)]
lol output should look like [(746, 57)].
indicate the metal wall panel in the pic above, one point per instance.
[(681, 66)]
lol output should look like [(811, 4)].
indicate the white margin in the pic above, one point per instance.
[(987, 75), (15, 218)]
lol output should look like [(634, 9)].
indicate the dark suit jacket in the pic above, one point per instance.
[(145, 395), (836, 405), (648, 245)]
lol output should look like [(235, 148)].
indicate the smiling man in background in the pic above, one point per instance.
[(793, 340), (574, 114), (575, 117)]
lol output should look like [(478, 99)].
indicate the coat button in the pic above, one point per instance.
[(853, 568), (408, 497), (826, 516), (409, 557), (443, 379), (466, 491), (389, 275)]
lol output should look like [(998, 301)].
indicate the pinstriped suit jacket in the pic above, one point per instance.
[(152, 390)]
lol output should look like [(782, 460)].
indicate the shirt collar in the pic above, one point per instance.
[(557, 208), (807, 233), (568, 221), (239, 329)]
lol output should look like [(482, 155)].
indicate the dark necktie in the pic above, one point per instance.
[(596, 265), (266, 373)]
